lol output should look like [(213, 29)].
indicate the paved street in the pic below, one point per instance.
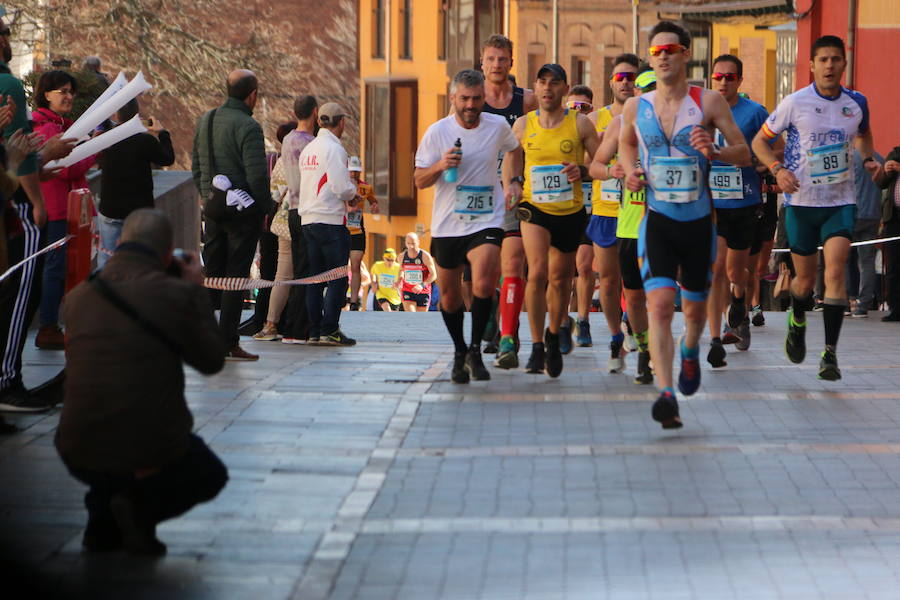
[(363, 473)]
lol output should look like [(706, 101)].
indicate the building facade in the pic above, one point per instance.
[(408, 52)]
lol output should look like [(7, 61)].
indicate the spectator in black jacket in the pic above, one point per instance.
[(888, 180), (126, 182)]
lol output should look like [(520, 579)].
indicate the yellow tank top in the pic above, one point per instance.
[(546, 188), (601, 204)]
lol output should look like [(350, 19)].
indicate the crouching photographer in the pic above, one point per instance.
[(125, 428)]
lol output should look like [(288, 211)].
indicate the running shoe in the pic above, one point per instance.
[(583, 334), (535, 362), (490, 346), (758, 318), (17, 399), (737, 310), (828, 367), (689, 377), (860, 313), (744, 333), (729, 336), (507, 357), (795, 340), (630, 344), (616, 362), (553, 361), (459, 374), (475, 366), (644, 372), (565, 336), (716, 355), (336, 339), (665, 410)]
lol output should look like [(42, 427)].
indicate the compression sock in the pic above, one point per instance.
[(799, 306), (642, 340), (833, 316), (481, 314), (689, 353), (512, 294), (454, 323)]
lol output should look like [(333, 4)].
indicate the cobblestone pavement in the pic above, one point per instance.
[(363, 473)]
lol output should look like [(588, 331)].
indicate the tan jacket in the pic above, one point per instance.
[(124, 396)]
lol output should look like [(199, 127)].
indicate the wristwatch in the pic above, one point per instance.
[(775, 168), (520, 180), (871, 158)]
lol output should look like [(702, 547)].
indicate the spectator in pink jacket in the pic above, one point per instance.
[(53, 98)]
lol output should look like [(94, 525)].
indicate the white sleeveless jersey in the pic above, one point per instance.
[(819, 145)]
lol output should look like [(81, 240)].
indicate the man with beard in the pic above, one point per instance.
[(468, 211)]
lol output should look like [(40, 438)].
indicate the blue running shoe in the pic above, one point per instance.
[(689, 377)]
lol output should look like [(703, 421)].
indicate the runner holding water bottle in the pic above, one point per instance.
[(467, 219)]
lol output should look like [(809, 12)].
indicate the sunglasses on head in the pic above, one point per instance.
[(667, 48), (580, 106), (725, 76), (624, 76)]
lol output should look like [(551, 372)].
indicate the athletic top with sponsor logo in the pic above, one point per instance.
[(415, 272), (355, 221), (820, 132), (546, 186), (514, 110), (606, 194), (737, 187), (676, 173), (474, 202)]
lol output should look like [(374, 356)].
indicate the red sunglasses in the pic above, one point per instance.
[(725, 76), (624, 76), (667, 48)]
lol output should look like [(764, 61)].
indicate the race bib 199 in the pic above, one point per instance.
[(726, 183), (674, 178), (829, 164), (474, 202), (550, 184)]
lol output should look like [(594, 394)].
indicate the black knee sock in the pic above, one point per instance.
[(833, 316), (481, 314), (799, 307), (454, 323)]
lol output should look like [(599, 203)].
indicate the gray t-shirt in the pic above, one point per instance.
[(291, 147)]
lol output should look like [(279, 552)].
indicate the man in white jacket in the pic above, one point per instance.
[(326, 189)]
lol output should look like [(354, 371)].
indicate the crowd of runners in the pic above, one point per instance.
[(668, 194)]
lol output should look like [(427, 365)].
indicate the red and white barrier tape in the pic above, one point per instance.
[(863, 243), (230, 284), (237, 284), (28, 259)]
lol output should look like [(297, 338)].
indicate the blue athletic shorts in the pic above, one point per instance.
[(602, 230), (809, 226)]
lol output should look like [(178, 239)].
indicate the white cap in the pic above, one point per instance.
[(354, 164)]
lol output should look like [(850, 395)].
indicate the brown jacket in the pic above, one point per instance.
[(124, 397)]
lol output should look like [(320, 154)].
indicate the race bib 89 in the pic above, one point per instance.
[(829, 164)]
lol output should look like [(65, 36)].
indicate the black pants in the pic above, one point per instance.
[(228, 250), (197, 477), (295, 318), (268, 263), (892, 272), (20, 294)]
